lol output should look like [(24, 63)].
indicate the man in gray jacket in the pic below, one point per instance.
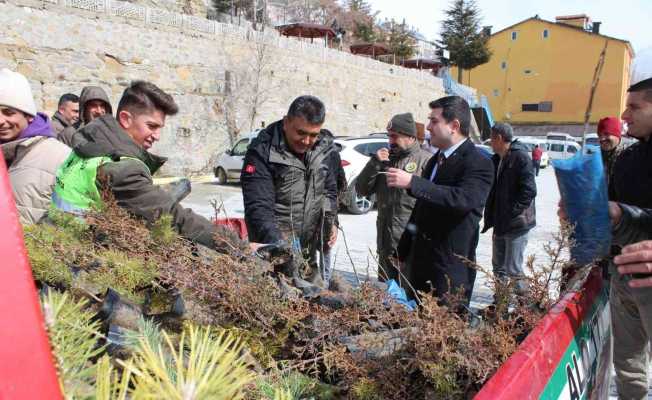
[(67, 113), (394, 205)]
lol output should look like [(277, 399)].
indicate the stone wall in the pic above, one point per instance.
[(218, 73)]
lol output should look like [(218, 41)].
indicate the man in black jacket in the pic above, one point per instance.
[(289, 185), (451, 194), (631, 194), (510, 209)]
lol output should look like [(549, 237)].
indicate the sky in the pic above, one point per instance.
[(622, 19)]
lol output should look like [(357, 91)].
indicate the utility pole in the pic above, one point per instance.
[(594, 86)]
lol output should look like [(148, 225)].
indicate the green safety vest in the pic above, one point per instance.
[(76, 189)]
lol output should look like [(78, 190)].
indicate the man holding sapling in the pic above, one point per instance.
[(112, 152)]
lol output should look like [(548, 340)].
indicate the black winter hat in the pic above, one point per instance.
[(404, 124)]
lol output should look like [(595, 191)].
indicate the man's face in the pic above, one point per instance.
[(94, 109), (638, 115), (70, 111), (497, 143), (441, 132), (300, 135), (145, 128), (399, 141), (12, 123), (608, 142)]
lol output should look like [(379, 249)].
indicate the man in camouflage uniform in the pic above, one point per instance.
[(394, 205)]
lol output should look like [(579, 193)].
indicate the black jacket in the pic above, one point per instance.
[(444, 222), (286, 198), (631, 184), (510, 206)]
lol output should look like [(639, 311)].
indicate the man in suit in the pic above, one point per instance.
[(451, 194)]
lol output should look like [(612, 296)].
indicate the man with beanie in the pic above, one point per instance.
[(394, 205), (29, 148), (510, 208), (611, 145), (93, 103)]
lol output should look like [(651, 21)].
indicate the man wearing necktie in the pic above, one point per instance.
[(451, 193)]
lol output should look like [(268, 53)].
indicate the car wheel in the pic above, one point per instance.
[(220, 175), (358, 204)]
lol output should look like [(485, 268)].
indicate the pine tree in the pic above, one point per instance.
[(360, 6), (223, 6), (461, 35), (400, 39)]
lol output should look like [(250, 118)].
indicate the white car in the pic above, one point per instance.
[(229, 163), (529, 142), (355, 153)]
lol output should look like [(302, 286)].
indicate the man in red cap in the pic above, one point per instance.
[(609, 134)]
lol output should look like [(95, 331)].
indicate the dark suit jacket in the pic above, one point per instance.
[(444, 222)]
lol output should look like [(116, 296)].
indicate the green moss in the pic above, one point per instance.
[(162, 231), (443, 377), (122, 273), (366, 389), (51, 249)]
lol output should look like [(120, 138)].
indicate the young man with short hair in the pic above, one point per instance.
[(67, 113), (113, 152), (451, 194), (630, 210), (29, 148)]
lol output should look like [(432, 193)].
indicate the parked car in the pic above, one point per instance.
[(229, 164), (355, 153)]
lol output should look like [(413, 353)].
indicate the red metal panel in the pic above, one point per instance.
[(26, 365), (236, 224), (525, 374)]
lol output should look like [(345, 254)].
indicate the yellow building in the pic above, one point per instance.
[(541, 72)]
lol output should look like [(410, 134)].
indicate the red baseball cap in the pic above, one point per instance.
[(611, 126)]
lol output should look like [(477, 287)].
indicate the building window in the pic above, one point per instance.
[(546, 34), (544, 106), (514, 35), (503, 65), (496, 93)]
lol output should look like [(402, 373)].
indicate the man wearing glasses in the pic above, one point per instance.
[(290, 188)]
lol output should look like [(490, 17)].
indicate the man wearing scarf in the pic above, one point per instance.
[(394, 205), (31, 151)]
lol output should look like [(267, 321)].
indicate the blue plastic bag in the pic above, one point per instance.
[(583, 190), (398, 294)]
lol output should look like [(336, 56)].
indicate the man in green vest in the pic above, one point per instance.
[(112, 151)]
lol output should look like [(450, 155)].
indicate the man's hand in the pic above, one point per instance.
[(255, 246), (382, 154), (615, 213), (398, 178), (636, 259), (561, 211), (333, 238)]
